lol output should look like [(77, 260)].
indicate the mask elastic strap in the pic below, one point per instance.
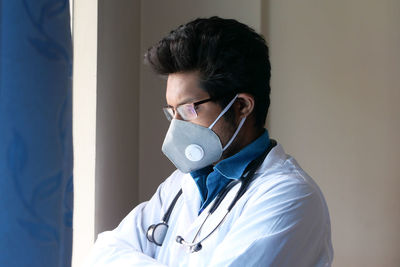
[(234, 135), (223, 112)]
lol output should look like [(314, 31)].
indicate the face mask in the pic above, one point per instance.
[(191, 147)]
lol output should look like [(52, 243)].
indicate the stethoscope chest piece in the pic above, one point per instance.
[(156, 233)]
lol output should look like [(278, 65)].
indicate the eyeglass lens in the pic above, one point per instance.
[(185, 111)]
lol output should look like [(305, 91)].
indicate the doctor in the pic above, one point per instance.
[(236, 198)]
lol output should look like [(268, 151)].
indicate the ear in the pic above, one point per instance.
[(246, 104)]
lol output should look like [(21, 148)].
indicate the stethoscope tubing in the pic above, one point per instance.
[(245, 180)]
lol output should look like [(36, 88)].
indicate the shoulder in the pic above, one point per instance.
[(280, 179), (280, 169)]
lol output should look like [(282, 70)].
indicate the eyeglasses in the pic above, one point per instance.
[(186, 111)]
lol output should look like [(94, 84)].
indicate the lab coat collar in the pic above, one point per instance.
[(234, 166), (191, 196), (275, 158)]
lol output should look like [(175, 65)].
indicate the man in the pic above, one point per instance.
[(270, 212)]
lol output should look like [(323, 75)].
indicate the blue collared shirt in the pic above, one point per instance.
[(211, 180)]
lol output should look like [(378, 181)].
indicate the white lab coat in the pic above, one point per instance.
[(281, 220)]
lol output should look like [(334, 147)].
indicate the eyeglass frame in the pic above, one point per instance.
[(170, 116)]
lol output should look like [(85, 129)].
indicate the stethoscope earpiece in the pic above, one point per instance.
[(196, 248), (193, 247)]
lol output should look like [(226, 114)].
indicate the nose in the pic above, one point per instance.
[(177, 116)]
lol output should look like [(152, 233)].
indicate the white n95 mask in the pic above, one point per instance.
[(191, 147)]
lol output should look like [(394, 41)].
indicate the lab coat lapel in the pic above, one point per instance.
[(192, 202), (218, 215)]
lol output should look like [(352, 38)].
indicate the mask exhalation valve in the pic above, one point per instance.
[(194, 152)]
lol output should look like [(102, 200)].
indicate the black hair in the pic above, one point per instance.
[(229, 56)]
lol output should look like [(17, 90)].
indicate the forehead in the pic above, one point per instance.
[(184, 88)]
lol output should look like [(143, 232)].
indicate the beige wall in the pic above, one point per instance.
[(335, 107), (117, 111)]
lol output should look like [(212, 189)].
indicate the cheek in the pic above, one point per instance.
[(207, 114), (224, 130), (202, 122)]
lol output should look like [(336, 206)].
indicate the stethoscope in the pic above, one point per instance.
[(156, 232)]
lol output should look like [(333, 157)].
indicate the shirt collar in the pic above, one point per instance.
[(234, 166)]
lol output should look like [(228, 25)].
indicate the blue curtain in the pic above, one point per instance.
[(36, 160)]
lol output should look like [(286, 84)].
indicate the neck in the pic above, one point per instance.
[(247, 135)]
